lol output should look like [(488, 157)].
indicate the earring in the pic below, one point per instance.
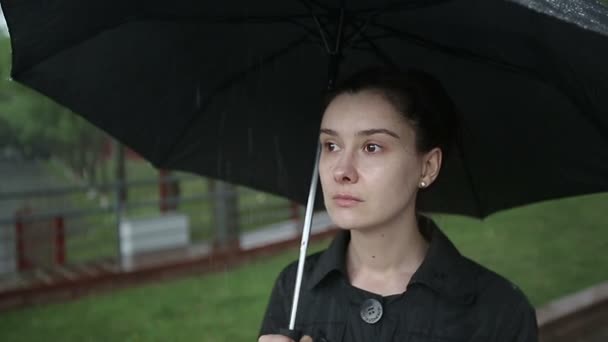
[(423, 184)]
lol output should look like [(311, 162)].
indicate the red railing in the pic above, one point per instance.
[(31, 240)]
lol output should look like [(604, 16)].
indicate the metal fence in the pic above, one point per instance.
[(46, 227)]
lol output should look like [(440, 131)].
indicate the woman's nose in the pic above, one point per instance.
[(345, 170)]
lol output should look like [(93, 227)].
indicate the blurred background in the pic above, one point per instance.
[(97, 245)]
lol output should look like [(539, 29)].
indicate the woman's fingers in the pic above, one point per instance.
[(274, 338), (281, 338)]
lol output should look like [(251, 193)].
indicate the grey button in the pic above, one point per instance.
[(371, 311)]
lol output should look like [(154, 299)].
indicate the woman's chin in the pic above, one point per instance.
[(347, 219)]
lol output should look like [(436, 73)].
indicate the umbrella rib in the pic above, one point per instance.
[(427, 43), (395, 6), (570, 79), (176, 18), (359, 29), (481, 210), (385, 57), (373, 13), (601, 128), (311, 31), (225, 85), (316, 3), (359, 32), (584, 102), (403, 6), (291, 19), (221, 19), (324, 34)]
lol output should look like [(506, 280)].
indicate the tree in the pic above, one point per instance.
[(38, 127)]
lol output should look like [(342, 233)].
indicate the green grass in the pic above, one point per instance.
[(550, 250), (224, 306)]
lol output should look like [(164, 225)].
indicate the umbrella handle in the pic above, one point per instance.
[(305, 236)]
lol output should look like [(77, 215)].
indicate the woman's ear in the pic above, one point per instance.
[(431, 164)]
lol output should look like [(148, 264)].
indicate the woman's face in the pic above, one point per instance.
[(370, 169)]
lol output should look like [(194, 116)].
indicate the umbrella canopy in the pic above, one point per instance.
[(234, 91)]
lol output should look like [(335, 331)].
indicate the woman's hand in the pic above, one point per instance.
[(281, 338)]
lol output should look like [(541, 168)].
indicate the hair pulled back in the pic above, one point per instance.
[(417, 96)]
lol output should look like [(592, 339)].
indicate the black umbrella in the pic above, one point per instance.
[(234, 91)]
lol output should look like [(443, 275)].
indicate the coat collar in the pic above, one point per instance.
[(444, 270)]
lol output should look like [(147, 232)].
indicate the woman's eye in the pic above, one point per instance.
[(329, 146), (372, 148)]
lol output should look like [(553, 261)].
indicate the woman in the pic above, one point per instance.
[(391, 274)]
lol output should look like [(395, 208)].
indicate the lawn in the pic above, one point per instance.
[(549, 249)]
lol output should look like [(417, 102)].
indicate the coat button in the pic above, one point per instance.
[(371, 311)]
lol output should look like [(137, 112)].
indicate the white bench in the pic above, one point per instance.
[(152, 234)]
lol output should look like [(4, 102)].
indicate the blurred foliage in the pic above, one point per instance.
[(36, 127)]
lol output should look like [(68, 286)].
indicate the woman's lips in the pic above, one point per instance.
[(346, 201)]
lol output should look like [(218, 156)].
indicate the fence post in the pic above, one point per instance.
[(121, 172), (19, 238), (121, 192), (296, 211), (225, 215), (163, 190), (169, 191), (59, 241)]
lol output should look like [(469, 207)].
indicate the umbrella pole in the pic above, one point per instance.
[(305, 237), (334, 60)]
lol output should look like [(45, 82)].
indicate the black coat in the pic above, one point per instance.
[(449, 298)]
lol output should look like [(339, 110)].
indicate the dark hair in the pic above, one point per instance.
[(417, 95)]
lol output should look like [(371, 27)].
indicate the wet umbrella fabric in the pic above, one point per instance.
[(234, 92)]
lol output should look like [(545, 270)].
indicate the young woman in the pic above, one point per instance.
[(391, 274)]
